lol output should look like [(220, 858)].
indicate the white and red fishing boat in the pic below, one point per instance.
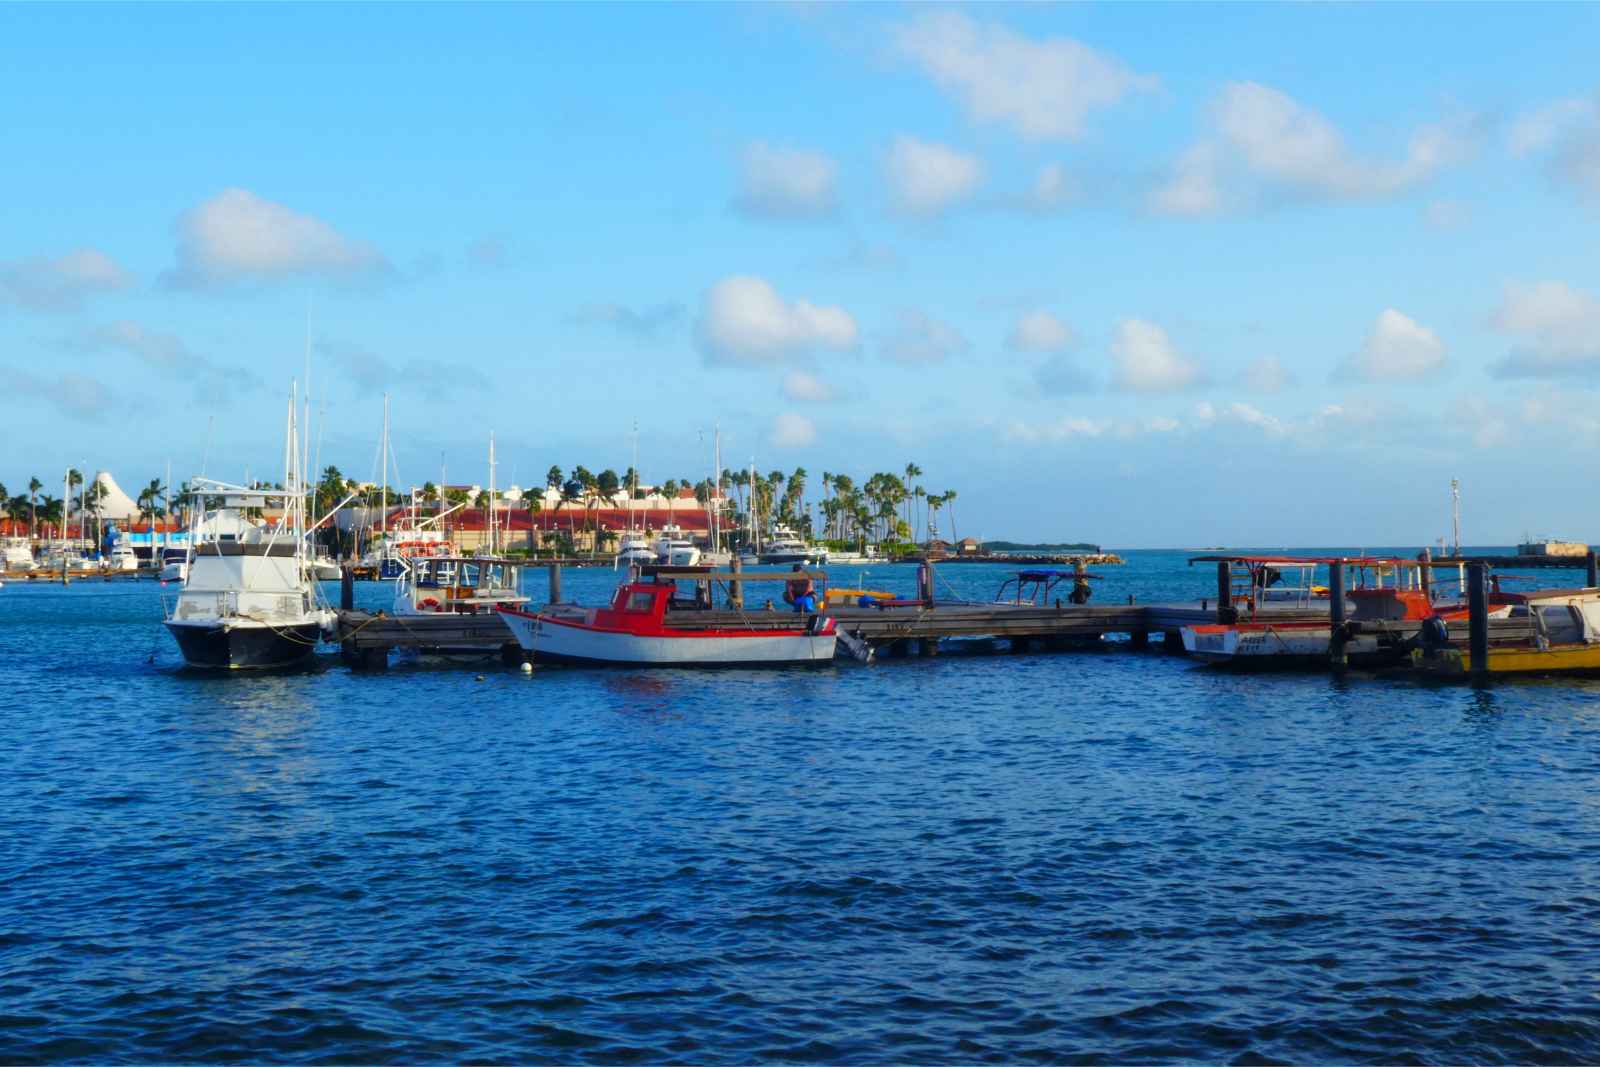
[(649, 624), (1283, 617)]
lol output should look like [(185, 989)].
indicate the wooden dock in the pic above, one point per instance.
[(366, 638)]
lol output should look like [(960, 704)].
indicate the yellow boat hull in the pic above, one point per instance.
[(847, 597), (1559, 659)]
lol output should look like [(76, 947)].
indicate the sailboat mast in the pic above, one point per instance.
[(383, 514), (492, 520)]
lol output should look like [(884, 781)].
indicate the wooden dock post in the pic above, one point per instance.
[(1425, 557), (1594, 571), (555, 582), (1478, 619), (736, 587), (1336, 632), (347, 588), (1225, 612)]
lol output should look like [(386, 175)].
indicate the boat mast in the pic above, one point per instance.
[(383, 513), (755, 524), (716, 479), (1455, 513), (492, 538)]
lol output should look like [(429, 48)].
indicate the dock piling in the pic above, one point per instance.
[(1425, 557), (347, 588), (1478, 620), (1336, 632), (1225, 612), (555, 583), (1594, 571), (736, 587)]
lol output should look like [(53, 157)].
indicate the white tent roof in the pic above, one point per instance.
[(116, 504)]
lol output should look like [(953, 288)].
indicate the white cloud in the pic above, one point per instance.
[(922, 339), (1040, 331), (1578, 163), (926, 178), (236, 236), (790, 430), (167, 352), (74, 395), (778, 182), (744, 320), (1570, 130), (806, 388), (1262, 133), (1266, 375), (1052, 189), (1534, 131), (1565, 410), (164, 351), (1065, 428), (1247, 415), (1283, 139), (1146, 361), (60, 284), (1044, 89), (1193, 188), (1397, 349), (1559, 327)]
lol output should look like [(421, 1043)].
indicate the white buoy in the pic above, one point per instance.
[(527, 668)]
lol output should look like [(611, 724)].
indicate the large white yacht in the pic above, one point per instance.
[(122, 557), (249, 600), (16, 554), (673, 549), (785, 546), (634, 548)]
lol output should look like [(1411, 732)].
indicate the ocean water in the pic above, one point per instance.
[(1072, 857)]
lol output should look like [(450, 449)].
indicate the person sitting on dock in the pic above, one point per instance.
[(1080, 584), (801, 592)]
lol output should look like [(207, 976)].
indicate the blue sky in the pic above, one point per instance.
[(1147, 275)]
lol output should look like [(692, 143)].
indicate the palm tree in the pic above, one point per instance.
[(50, 509), (913, 472), (571, 493), (34, 485), (15, 508), (949, 502)]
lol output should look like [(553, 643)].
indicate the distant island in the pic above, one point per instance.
[(1021, 546)]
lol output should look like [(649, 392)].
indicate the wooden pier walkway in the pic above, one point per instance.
[(367, 637)]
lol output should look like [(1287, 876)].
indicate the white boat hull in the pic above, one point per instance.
[(554, 639), (1229, 644)]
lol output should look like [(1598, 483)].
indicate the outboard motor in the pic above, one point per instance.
[(1434, 634)]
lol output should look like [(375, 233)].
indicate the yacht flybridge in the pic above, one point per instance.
[(249, 599)]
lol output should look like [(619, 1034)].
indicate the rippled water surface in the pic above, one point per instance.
[(1094, 856)]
